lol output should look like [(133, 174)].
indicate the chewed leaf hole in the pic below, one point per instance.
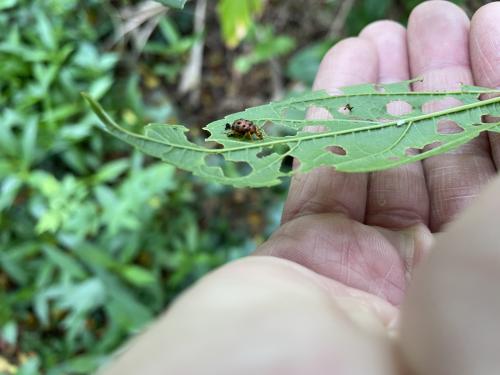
[(432, 145), (446, 126), (214, 160), (276, 149), (318, 113), (287, 164), (213, 145), (242, 168), (229, 168), (398, 108), (488, 118), (265, 152), (411, 151), (337, 150), (275, 129), (440, 104)]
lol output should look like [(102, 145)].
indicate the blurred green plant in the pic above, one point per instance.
[(236, 18), (303, 64), (94, 241), (172, 49), (265, 45)]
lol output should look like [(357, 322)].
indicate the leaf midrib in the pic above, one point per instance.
[(407, 121), (247, 146)]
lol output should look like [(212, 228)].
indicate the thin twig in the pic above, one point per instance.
[(191, 75), (276, 79), (340, 18), (139, 22)]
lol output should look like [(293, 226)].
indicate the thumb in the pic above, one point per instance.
[(451, 318)]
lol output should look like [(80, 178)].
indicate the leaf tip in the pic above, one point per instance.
[(94, 105), (86, 96)]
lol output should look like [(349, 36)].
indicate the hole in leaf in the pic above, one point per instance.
[(288, 164), (441, 104), (411, 151), (488, 95), (432, 145), (293, 112), (398, 108), (319, 113), (241, 167), (488, 118), (212, 145), (278, 149), (446, 126), (278, 130), (229, 168), (266, 151), (195, 134), (337, 150), (214, 160)]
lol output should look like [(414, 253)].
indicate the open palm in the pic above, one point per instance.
[(367, 231), (323, 295)]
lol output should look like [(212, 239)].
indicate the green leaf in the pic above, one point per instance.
[(9, 189), (66, 263), (5, 4), (45, 31), (304, 64), (28, 141), (99, 87), (9, 333), (30, 367), (365, 138), (268, 46), (81, 364), (138, 275), (122, 306), (111, 171), (236, 18), (173, 3)]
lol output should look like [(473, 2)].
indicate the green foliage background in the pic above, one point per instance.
[(96, 239)]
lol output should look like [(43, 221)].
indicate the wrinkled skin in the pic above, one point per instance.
[(330, 291)]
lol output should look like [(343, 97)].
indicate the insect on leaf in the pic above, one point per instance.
[(352, 131)]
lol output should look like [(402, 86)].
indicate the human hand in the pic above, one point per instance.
[(349, 242), (368, 231)]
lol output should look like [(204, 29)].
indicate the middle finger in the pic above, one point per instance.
[(397, 198)]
